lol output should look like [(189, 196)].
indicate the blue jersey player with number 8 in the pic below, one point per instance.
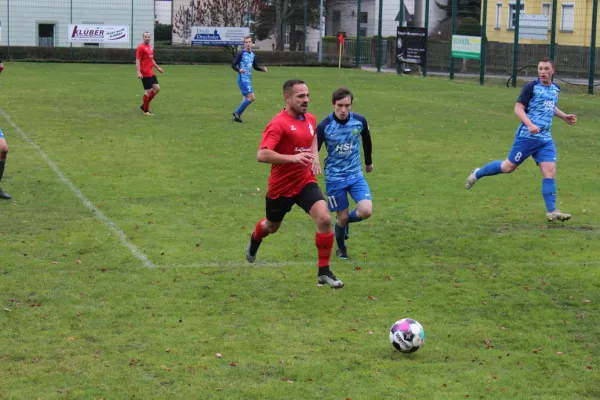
[(341, 131), (535, 107)]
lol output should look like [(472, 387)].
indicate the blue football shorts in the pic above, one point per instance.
[(245, 87), (1, 134), (523, 148), (337, 193)]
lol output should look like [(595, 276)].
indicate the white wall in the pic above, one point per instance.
[(162, 11), (25, 16)]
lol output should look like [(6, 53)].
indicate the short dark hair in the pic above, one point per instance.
[(341, 93), (247, 37), (289, 84), (547, 60)]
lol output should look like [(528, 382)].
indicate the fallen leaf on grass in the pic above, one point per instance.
[(219, 355), (372, 298), (370, 332), (560, 353), (168, 350), (233, 364), (488, 344), (587, 301), (538, 349)]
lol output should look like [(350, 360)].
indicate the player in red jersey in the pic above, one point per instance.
[(145, 64), (3, 154), (289, 143)]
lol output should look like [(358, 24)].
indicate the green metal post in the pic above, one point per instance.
[(454, 5), (400, 24), (516, 43), (71, 21), (482, 54), (357, 44), (8, 28), (593, 47), (248, 15), (304, 32), (379, 39), (553, 31), (426, 34), (131, 33), (191, 44)]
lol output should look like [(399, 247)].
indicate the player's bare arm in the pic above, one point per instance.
[(520, 112), (568, 118), (315, 166), (155, 65), (137, 67), (272, 157)]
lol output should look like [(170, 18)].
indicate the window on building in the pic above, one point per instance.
[(286, 34), (91, 45), (364, 17), (512, 16), (546, 9), (363, 32), (567, 23), (498, 15), (46, 35)]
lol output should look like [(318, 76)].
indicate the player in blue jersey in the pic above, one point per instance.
[(341, 131), (243, 64), (535, 107), (3, 154)]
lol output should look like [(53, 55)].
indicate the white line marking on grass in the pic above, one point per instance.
[(88, 204)]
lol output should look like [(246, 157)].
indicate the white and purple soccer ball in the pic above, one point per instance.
[(407, 335)]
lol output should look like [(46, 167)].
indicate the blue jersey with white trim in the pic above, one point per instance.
[(246, 60), (539, 101), (342, 139)]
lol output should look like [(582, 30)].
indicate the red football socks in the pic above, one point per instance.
[(146, 102), (324, 242), (152, 94), (259, 234)]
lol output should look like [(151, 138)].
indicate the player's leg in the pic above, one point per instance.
[(520, 151), (275, 211), (147, 82), (337, 201), (3, 154), (340, 229), (312, 201), (546, 160), (155, 88), (248, 93)]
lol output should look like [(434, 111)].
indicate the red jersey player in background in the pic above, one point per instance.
[(144, 63), (289, 143)]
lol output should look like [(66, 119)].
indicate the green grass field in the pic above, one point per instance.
[(122, 269)]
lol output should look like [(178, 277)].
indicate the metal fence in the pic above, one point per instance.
[(308, 33)]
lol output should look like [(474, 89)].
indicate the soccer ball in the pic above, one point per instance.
[(407, 335)]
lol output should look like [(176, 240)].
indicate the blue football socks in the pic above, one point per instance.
[(493, 168), (340, 235), (549, 193), (243, 105), (352, 217)]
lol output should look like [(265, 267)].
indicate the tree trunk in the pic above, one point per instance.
[(281, 8)]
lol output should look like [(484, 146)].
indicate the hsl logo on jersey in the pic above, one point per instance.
[(355, 131), (343, 148), (312, 131), (548, 105)]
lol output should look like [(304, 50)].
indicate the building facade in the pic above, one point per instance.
[(46, 22), (573, 21)]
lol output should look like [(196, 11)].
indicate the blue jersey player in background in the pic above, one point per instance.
[(243, 64), (535, 107), (341, 131)]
